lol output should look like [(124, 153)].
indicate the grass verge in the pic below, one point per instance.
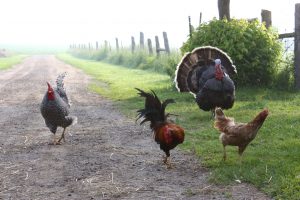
[(271, 162), (8, 62)]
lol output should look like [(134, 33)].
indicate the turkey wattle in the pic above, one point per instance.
[(55, 108), (205, 73)]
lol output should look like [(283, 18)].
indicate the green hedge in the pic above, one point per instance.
[(254, 49)]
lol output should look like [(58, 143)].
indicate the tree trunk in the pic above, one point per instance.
[(224, 11)]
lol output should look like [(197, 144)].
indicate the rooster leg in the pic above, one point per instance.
[(62, 136), (167, 160), (169, 165)]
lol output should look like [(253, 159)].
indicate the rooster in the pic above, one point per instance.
[(55, 108), (168, 135), (237, 134), (205, 73)]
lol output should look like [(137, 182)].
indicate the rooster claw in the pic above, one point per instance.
[(167, 163)]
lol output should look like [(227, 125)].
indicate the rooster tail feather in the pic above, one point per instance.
[(166, 102), (154, 110)]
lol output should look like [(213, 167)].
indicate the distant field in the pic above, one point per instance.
[(7, 62), (271, 162)]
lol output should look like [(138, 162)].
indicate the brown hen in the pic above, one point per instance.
[(237, 134)]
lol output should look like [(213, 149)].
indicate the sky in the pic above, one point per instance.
[(65, 22)]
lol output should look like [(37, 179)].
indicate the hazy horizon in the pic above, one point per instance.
[(61, 23)]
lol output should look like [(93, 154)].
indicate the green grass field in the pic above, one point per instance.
[(271, 162), (7, 62)]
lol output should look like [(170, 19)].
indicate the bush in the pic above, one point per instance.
[(254, 49), (285, 77)]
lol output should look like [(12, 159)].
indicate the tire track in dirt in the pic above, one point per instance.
[(107, 157)]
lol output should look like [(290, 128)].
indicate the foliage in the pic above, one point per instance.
[(254, 49), (271, 161), (285, 77), (140, 59)]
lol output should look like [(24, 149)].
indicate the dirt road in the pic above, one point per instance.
[(106, 156)]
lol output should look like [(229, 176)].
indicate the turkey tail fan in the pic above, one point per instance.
[(197, 61)]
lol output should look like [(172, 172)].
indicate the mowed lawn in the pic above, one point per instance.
[(271, 162), (7, 62)]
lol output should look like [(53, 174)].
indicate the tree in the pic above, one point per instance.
[(224, 11)]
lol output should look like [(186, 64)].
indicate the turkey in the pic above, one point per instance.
[(205, 73), (55, 108)]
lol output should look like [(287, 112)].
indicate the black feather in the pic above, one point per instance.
[(154, 110)]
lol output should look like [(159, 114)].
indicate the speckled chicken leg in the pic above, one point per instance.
[(62, 136)]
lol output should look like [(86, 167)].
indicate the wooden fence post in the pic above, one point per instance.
[(190, 26), (266, 16), (297, 46), (150, 46), (166, 42), (224, 10), (157, 45), (200, 18), (132, 44), (117, 44), (141, 40)]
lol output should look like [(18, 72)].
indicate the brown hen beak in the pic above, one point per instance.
[(219, 112)]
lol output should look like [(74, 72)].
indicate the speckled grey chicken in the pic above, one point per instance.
[(55, 108)]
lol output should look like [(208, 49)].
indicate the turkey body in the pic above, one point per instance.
[(215, 92), (205, 73)]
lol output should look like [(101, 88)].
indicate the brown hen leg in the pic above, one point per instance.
[(62, 136), (241, 150)]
